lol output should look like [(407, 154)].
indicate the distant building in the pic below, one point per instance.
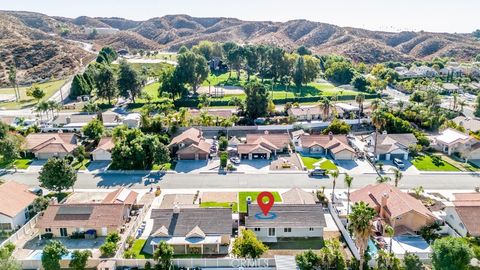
[(336, 146), (132, 120), (305, 113), (103, 150), (263, 146), (463, 214), (452, 141), (190, 145), (48, 145), (468, 123), (391, 146)]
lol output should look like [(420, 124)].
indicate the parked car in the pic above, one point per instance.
[(371, 157), (36, 190), (399, 163), (317, 171), (235, 160)]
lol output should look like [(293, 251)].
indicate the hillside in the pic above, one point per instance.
[(33, 41)]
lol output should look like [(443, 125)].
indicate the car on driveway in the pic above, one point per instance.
[(399, 163), (235, 160)]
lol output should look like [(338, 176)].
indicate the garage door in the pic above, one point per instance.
[(399, 156), (187, 156), (202, 156), (382, 156)]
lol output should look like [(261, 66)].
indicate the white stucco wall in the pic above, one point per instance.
[(279, 232), (101, 155), (18, 220), (453, 219)]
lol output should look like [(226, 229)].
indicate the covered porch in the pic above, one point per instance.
[(210, 245)]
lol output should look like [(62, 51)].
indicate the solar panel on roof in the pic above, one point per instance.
[(75, 210), (123, 195)]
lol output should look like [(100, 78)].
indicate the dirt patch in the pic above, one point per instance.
[(431, 204), (219, 197)]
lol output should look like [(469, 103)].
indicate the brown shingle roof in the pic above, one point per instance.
[(467, 206), (335, 143), (223, 113), (201, 147), (14, 197), (192, 134), (121, 196), (298, 196), (51, 142), (89, 215), (304, 111), (398, 202), (106, 143), (278, 140)]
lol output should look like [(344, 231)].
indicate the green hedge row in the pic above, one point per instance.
[(215, 103)]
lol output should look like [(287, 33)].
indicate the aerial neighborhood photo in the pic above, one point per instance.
[(251, 135)]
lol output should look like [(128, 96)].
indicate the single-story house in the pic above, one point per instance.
[(290, 221), (337, 146), (298, 196), (192, 230), (47, 145), (132, 120), (468, 123), (63, 220), (391, 146), (76, 121), (345, 109), (396, 208), (263, 146), (220, 113), (305, 113), (122, 196), (190, 145), (463, 214), (15, 201), (104, 149), (453, 141), (450, 87)]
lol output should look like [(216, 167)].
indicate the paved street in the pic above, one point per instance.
[(192, 181)]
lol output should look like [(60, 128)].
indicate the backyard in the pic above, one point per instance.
[(137, 249), (242, 199), (325, 164), (25, 101), (428, 162), (232, 205)]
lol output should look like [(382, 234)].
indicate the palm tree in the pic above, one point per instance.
[(53, 106), (325, 105), (348, 182), (361, 226), (455, 101), (360, 98), (390, 231), (375, 104), (12, 78), (462, 104), (334, 174), (378, 120), (397, 175), (383, 179), (42, 107)]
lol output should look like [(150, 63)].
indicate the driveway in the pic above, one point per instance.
[(191, 166), (98, 165), (257, 165), (409, 168), (354, 166), (36, 165)]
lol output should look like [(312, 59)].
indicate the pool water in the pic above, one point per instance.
[(372, 249), (37, 255)]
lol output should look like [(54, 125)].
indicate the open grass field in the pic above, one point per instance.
[(25, 101), (432, 163), (242, 199)]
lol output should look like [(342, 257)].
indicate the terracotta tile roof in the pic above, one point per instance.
[(335, 143), (51, 142), (106, 143), (192, 134), (14, 197), (88, 215), (121, 196), (467, 206), (398, 202)]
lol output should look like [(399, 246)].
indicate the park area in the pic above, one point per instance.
[(8, 95)]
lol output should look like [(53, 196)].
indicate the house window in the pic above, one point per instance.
[(310, 229), (287, 230), (48, 230), (461, 225), (5, 226), (256, 229)]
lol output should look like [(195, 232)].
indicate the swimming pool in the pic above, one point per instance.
[(372, 249), (37, 255)]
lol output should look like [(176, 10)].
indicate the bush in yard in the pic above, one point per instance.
[(223, 159), (223, 143), (113, 237), (108, 249), (129, 254), (80, 259), (451, 253), (163, 254), (52, 254), (248, 246), (307, 260)]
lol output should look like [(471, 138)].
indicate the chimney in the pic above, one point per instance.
[(383, 204), (176, 208), (330, 135), (68, 119)]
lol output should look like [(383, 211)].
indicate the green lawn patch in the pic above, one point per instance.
[(232, 205), (80, 165), (137, 248), (25, 101), (60, 195), (19, 163), (325, 164), (165, 166), (432, 163), (242, 199)]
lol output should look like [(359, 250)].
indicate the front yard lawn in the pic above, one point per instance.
[(232, 205), (242, 199), (137, 248), (19, 163), (80, 165), (325, 164), (432, 163)]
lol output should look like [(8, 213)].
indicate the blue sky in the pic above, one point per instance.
[(388, 15)]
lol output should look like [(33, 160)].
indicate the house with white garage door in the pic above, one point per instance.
[(390, 146), (335, 146), (103, 151), (48, 145), (452, 141)]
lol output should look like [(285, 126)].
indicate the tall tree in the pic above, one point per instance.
[(57, 175), (360, 98), (325, 106), (164, 254), (79, 259), (7, 261), (106, 84), (378, 120), (94, 130), (170, 83), (129, 82), (79, 87), (192, 69), (361, 224), (256, 102), (12, 78), (52, 254), (36, 92), (451, 253), (299, 71), (252, 60), (397, 175), (334, 174), (348, 180)]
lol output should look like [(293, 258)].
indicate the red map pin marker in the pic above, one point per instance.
[(265, 206)]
